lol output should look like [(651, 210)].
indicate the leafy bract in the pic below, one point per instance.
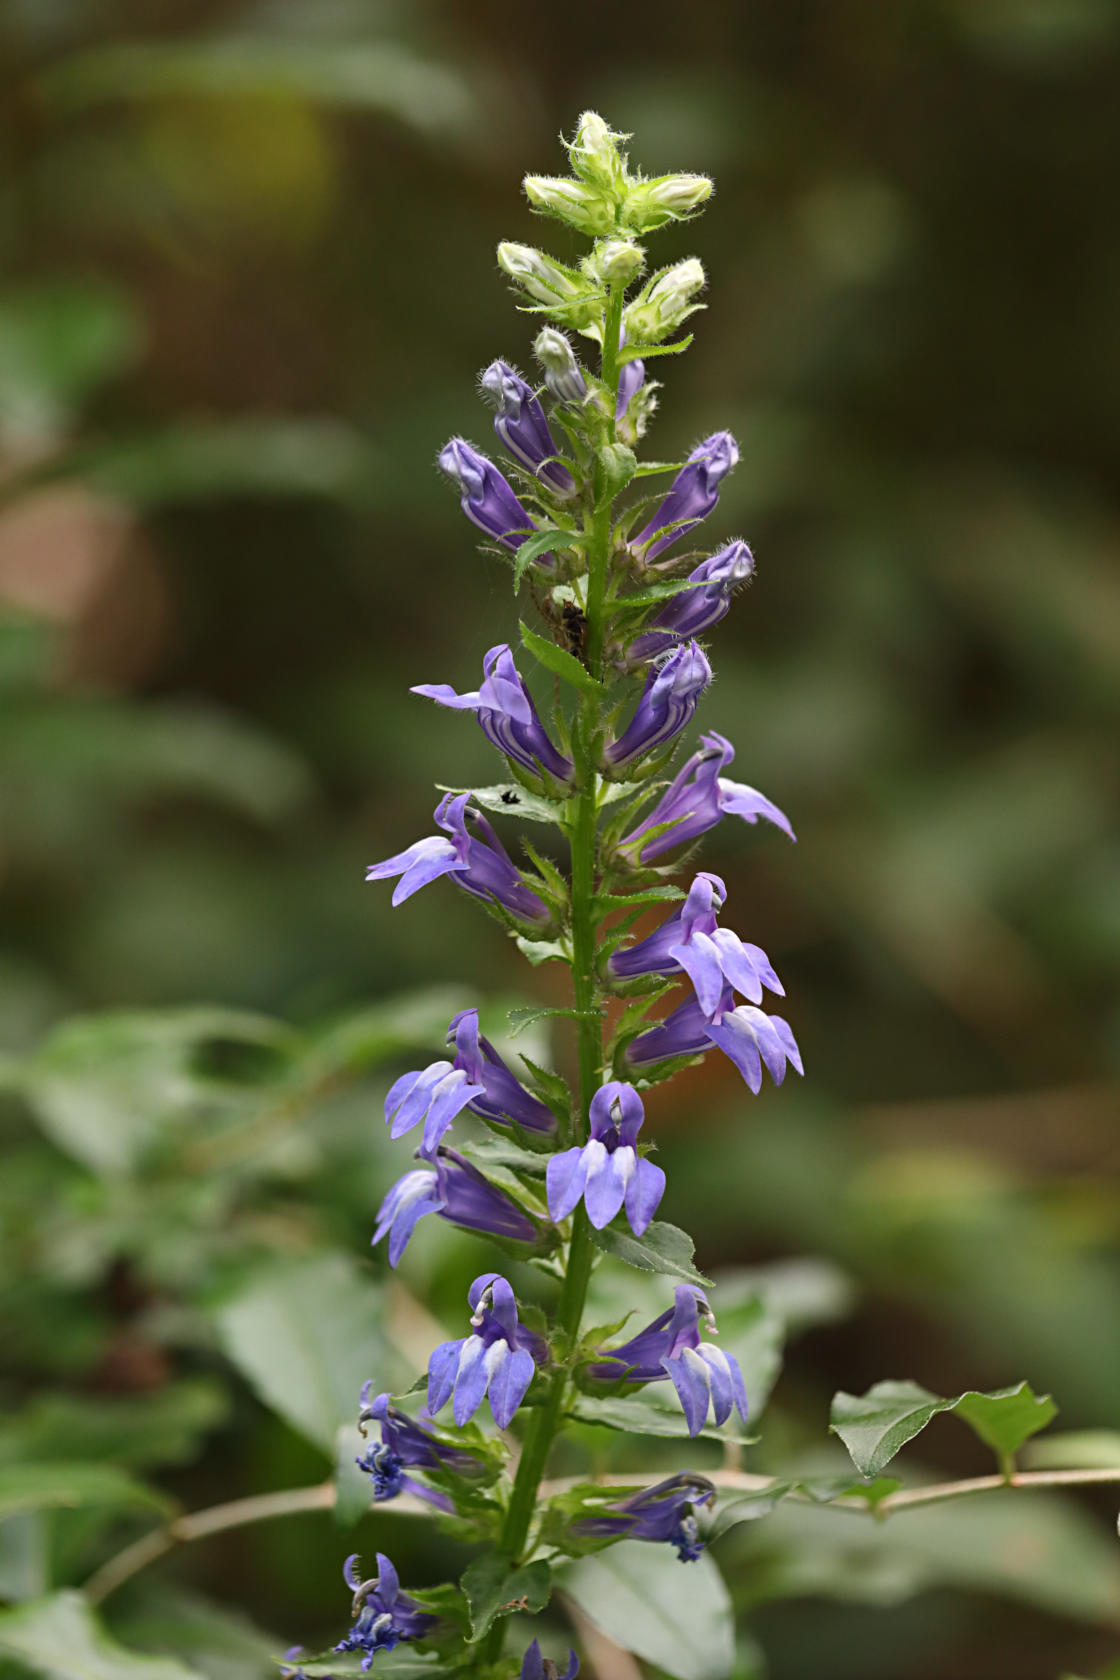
[(876, 1425)]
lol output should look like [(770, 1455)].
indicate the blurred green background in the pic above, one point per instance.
[(248, 278)]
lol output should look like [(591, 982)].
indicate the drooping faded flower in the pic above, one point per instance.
[(404, 1446), (534, 1666), (384, 1615), (661, 1513)]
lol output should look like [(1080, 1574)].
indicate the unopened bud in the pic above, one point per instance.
[(615, 261), (665, 302), (669, 198), (579, 204), (572, 296), (562, 373), (595, 155)]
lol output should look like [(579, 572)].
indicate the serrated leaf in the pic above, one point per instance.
[(876, 1425), (510, 799), (663, 1248), (549, 537), (60, 1638), (306, 1334), (519, 1019), (617, 466), (655, 592), (539, 951), (561, 663), (643, 352), (493, 1588), (36, 1487), (606, 902), (676, 1616)]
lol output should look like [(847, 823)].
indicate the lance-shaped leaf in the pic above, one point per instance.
[(61, 1639), (876, 1425), (663, 1248), (561, 663), (493, 1587)]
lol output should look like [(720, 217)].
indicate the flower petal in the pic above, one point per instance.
[(691, 1379), (643, 1195), (470, 1380), (606, 1182), (442, 1367), (509, 1384), (565, 1179)]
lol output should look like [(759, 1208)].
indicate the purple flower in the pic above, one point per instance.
[(506, 714), (481, 866), (536, 1667), (403, 1442), (671, 695), (498, 1357), (711, 956), (692, 495), (697, 609), (695, 801), (663, 1512), (456, 1191), (748, 1036), (477, 1079), (608, 1171), (521, 425), (671, 1347), (486, 497), (290, 1655), (384, 1615), (630, 381)]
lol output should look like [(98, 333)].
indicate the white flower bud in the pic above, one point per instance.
[(595, 155), (665, 302), (575, 202), (650, 204), (562, 373), (575, 299), (615, 261)]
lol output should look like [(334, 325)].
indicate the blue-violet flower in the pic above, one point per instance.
[(746, 1035), (481, 866), (695, 610), (711, 956), (477, 1079), (384, 1615), (608, 1171), (662, 1512), (403, 1442), (506, 714), (456, 1191), (670, 697), (521, 425), (695, 800), (691, 496), (486, 497), (536, 1667), (498, 1358), (671, 1347)]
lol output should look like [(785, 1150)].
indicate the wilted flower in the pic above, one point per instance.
[(536, 1667), (384, 1614), (506, 714), (608, 1171), (662, 1512), (404, 1443)]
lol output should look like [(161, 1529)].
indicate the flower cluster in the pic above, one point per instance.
[(566, 1176)]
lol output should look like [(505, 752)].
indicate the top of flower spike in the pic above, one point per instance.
[(604, 198)]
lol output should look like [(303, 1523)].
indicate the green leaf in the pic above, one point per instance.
[(643, 352), (562, 663), (874, 1426), (1076, 1449), (503, 1152), (655, 1411), (60, 1638), (628, 901), (493, 1588), (510, 799), (746, 1507), (650, 596), (617, 466), (664, 1248), (36, 1487), (221, 1641), (676, 1616), (549, 537), (306, 1334), (519, 1019), (539, 951), (163, 1427), (403, 1663)]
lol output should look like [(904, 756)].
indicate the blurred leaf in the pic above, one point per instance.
[(492, 1588), (163, 1427), (1075, 1449), (402, 1663), (59, 339), (874, 1426), (663, 1248), (676, 1616), (204, 460), (306, 1334), (36, 1487), (655, 1411), (381, 76), (60, 1638), (224, 1644)]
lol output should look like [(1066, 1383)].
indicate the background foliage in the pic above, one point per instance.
[(248, 262)]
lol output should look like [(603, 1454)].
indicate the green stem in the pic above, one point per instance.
[(583, 828)]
